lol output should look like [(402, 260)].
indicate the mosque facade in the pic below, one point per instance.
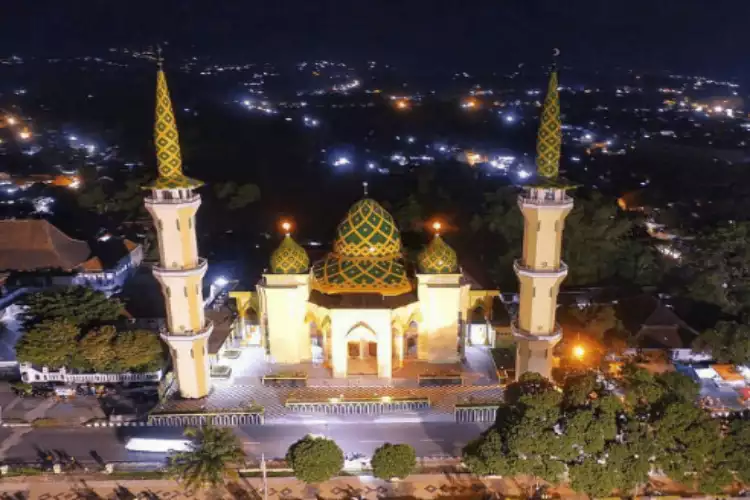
[(363, 308)]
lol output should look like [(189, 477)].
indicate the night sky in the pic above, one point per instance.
[(697, 36)]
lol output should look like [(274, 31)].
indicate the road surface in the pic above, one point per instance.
[(430, 439)]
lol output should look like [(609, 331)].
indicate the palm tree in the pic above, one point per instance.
[(213, 456)]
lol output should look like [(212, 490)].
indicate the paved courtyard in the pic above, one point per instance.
[(246, 387)]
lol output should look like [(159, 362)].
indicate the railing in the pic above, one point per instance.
[(358, 407), (218, 418), (207, 327), (526, 199), (172, 201), (31, 375), (518, 265), (202, 263), (480, 412)]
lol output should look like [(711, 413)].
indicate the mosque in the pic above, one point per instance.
[(362, 308)]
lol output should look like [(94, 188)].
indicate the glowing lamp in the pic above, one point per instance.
[(24, 135), (579, 351), (286, 226), (11, 120), (436, 226)]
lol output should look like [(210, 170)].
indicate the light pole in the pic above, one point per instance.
[(263, 473)]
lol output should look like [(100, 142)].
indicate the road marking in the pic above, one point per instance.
[(431, 440), (252, 442), (371, 441)]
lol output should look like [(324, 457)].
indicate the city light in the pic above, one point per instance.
[(579, 352), (221, 281), (73, 138), (24, 134), (510, 118), (410, 140), (523, 174), (371, 166), (341, 160), (11, 120)]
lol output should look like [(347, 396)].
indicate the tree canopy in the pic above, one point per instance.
[(604, 445), (315, 459), (727, 342), (51, 343), (214, 456), (393, 460), (79, 305)]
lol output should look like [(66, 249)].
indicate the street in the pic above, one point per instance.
[(429, 439)]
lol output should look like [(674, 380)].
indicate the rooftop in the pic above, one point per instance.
[(35, 244)]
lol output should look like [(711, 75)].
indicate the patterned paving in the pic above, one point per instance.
[(442, 398)]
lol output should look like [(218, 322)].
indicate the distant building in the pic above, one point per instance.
[(37, 254)]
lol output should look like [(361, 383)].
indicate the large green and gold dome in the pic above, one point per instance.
[(289, 258), (368, 230), (438, 258), (366, 255)]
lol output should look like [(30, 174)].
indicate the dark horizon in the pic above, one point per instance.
[(687, 36)]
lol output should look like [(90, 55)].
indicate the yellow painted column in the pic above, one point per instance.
[(540, 272)]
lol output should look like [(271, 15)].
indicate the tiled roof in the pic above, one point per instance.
[(35, 244)]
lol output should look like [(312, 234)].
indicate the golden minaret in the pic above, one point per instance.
[(545, 204)]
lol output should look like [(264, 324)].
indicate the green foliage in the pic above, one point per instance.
[(79, 305), (487, 455), (592, 478), (727, 342), (51, 343), (393, 460), (735, 448), (315, 459), (717, 268), (688, 441), (528, 384), (579, 387), (595, 320), (214, 456), (107, 350), (236, 196)]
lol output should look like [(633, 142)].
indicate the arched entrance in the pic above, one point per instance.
[(362, 350)]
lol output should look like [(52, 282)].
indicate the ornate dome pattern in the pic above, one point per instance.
[(438, 258), (368, 230), (289, 258), (366, 255), (335, 274)]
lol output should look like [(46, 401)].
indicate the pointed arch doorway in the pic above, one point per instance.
[(362, 350)]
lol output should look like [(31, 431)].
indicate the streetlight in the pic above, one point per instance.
[(11, 120), (24, 134), (579, 352)]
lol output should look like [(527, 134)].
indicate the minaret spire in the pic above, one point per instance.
[(549, 137), (167, 139)]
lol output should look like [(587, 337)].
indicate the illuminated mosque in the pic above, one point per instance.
[(362, 308)]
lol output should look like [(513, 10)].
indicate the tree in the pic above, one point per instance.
[(487, 455), (213, 458), (641, 388), (528, 384), (79, 305), (688, 442), (578, 388), (237, 197), (592, 477), (51, 343), (717, 268), (595, 320), (107, 350), (138, 350), (393, 460), (96, 349), (736, 445), (315, 459), (727, 342)]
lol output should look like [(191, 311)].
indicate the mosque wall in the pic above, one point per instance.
[(440, 302), (285, 305), (350, 325)]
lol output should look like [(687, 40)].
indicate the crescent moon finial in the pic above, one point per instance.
[(555, 52)]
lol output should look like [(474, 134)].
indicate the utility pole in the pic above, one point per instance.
[(263, 472)]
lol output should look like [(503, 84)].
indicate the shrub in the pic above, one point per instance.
[(315, 459), (393, 460)]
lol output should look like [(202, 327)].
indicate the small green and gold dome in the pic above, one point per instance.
[(438, 258), (289, 258), (368, 230)]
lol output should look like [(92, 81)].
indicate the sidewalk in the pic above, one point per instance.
[(420, 486)]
